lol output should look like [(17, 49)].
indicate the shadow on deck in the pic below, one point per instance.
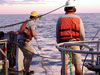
[(13, 72)]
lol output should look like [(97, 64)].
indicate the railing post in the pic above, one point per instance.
[(5, 66), (98, 63), (63, 63), (98, 58), (92, 57), (97, 46), (5, 61)]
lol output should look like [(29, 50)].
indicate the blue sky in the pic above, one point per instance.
[(43, 6)]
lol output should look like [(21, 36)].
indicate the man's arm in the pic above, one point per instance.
[(82, 31), (57, 30), (34, 34)]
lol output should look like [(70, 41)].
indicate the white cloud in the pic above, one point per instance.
[(27, 1), (13, 0), (18, 0), (22, 1)]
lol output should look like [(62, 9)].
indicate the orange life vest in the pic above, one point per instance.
[(28, 32), (69, 29)]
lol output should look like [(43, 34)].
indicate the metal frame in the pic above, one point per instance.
[(79, 43), (5, 55)]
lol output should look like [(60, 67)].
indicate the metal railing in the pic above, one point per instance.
[(4, 52), (78, 43)]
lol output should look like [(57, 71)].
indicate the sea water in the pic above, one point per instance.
[(46, 34)]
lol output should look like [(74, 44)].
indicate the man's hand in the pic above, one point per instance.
[(81, 47)]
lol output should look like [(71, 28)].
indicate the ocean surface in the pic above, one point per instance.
[(46, 34)]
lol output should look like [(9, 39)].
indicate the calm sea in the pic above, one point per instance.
[(46, 32), (46, 26)]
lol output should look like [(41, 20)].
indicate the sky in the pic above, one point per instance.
[(44, 6)]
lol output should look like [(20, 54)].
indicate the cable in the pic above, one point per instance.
[(8, 57), (84, 62), (38, 45), (87, 54), (70, 54), (13, 24), (51, 11), (2, 26), (96, 34)]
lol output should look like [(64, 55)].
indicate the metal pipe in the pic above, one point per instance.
[(63, 63), (5, 61), (2, 52), (79, 43), (79, 51), (5, 65)]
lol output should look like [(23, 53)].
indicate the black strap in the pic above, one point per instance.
[(68, 30), (69, 36)]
